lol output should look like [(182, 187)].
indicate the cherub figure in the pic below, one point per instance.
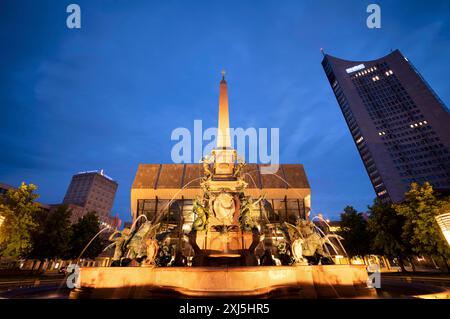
[(206, 160), (239, 169)]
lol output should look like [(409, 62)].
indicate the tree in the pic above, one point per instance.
[(82, 232), (52, 238), (354, 231), (386, 228), (420, 209), (18, 208)]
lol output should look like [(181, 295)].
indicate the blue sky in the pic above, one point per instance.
[(109, 95)]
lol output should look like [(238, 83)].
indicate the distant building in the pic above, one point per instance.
[(91, 191), (4, 188), (77, 211), (399, 125)]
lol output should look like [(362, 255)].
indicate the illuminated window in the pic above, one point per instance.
[(382, 193)]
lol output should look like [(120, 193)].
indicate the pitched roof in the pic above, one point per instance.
[(175, 176)]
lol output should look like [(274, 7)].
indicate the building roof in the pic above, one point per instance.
[(99, 172), (346, 61), (6, 186), (167, 181), (160, 176)]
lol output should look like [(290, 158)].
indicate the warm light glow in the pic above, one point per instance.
[(444, 223)]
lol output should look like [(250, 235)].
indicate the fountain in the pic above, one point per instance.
[(224, 238)]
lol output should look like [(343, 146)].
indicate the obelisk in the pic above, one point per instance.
[(223, 127), (224, 155)]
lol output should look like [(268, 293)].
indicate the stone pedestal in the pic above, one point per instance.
[(231, 242), (334, 281)]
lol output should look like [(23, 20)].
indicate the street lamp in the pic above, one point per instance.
[(444, 223)]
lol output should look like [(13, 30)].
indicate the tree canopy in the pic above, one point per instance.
[(19, 208), (386, 231), (82, 232), (420, 228), (354, 231), (52, 238)]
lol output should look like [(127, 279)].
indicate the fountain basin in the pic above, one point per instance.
[(310, 282)]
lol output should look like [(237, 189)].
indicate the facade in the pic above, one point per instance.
[(156, 184), (76, 211), (399, 125), (91, 191)]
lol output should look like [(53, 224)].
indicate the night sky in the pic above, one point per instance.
[(108, 96)]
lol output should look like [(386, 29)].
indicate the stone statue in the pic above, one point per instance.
[(224, 208), (297, 251)]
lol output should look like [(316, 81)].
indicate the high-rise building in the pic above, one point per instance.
[(92, 191), (399, 125)]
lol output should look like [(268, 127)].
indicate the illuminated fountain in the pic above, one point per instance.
[(230, 245)]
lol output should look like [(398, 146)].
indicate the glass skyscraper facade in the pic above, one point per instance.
[(399, 125)]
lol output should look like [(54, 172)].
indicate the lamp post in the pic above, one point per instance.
[(444, 223)]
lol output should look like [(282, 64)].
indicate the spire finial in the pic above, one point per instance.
[(223, 75)]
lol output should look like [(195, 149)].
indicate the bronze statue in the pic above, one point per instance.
[(119, 242), (201, 222), (304, 240), (143, 245), (247, 206)]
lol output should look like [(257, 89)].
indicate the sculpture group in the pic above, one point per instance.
[(224, 216)]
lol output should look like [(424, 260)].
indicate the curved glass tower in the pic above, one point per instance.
[(399, 125)]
